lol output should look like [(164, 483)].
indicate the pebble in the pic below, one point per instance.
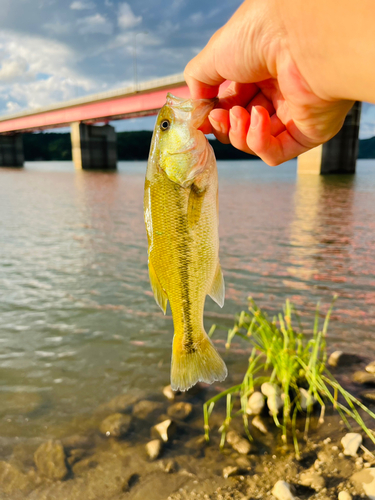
[(351, 442), (243, 463), (255, 403), (180, 411), (274, 404), (344, 495), (259, 424), (340, 358), (274, 400), (116, 425), (368, 395), (143, 409), (76, 455), (365, 479), (281, 491), (165, 430), (154, 448), (170, 466), (312, 479), (269, 389), (119, 404), (363, 378), (306, 400), (76, 441), (169, 393), (370, 368), (238, 443), (49, 459), (230, 471)]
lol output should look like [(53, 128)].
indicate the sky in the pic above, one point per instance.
[(56, 50)]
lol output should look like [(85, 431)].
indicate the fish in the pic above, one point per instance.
[(181, 218)]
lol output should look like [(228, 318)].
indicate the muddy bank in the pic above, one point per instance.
[(152, 446)]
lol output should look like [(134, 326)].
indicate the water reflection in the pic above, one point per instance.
[(78, 322), (322, 230)]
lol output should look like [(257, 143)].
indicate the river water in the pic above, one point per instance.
[(78, 321)]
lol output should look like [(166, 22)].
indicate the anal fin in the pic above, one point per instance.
[(217, 292), (159, 294)]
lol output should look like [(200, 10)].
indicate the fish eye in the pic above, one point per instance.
[(165, 124)]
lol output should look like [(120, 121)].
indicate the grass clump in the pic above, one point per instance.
[(290, 368)]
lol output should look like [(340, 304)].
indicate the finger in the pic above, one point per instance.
[(239, 125), (277, 125), (201, 74), (206, 127), (261, 100), (272, 150), (219, 119), (237, 94)]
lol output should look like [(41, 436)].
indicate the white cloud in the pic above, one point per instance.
[(13, 68), (126, 17), (13, 107), (94, 24), (57, 28), (24, 58), (197, 18), (79, 5)]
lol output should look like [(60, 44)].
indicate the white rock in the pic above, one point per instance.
[(230, 471), (164, 430), (258, 423), (169, 393), (255, 403), (269, 389), (365, 479), (153, 449), (306, 399), (351, 442), (344, 495), (281, 491), (333, 359), (274, 403)]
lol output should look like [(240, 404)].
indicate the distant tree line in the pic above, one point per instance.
[(135, 146)]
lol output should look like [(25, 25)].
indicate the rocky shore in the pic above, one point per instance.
[(153, 447)]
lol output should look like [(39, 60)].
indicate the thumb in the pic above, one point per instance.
[(201, 73)]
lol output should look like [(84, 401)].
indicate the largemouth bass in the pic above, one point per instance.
[(181, 216)]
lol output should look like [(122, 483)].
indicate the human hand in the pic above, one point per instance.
[(270, 109)]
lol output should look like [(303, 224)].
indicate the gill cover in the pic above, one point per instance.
[(182, 148)]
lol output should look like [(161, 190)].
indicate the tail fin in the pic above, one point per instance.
[(199, 363)]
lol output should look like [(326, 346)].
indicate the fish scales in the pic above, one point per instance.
[(181, 215)]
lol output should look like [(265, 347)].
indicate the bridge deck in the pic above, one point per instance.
[(128, 102)]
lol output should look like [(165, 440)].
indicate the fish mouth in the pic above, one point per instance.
[(194, 110)]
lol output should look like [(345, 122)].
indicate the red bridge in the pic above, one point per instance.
[(94, 147)]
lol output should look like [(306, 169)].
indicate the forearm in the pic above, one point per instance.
[(333, 45)]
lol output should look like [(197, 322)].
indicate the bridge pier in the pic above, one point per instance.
[(11, 150), (337, 156), (93, 147)]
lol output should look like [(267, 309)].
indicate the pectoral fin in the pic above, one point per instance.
[(217, 292), (159, 294)]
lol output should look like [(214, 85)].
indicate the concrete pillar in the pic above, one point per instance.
[(93, 147), (337, 156), (11, 150)]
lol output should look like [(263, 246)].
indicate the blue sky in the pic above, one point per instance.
[(55, 50)]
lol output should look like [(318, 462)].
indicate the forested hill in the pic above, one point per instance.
[(135, 146)]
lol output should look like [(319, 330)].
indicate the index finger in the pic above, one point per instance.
[(201, 73)]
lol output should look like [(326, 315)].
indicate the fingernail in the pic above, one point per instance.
[(254, 117), (233, 121)]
